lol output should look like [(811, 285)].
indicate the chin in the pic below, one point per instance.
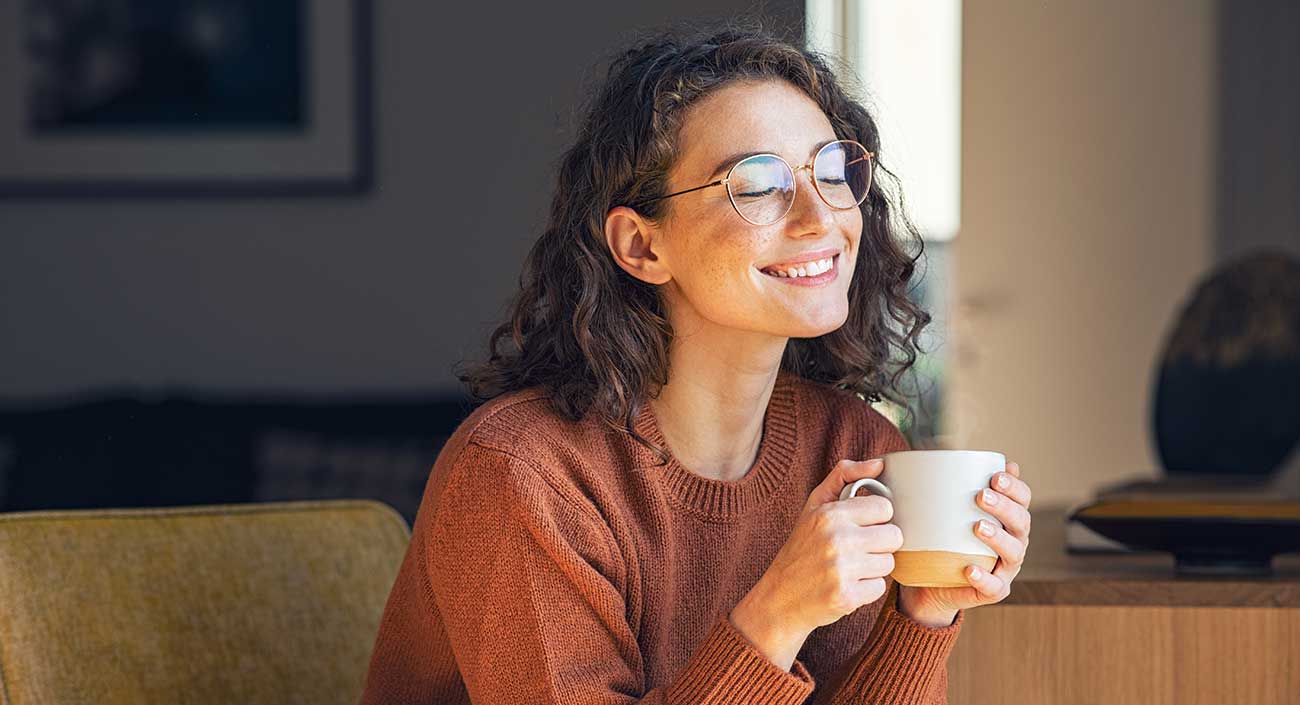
[(814, 329)]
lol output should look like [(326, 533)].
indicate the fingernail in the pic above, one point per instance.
[(990, 497), (875, 461), (985, 528), (975, 573), (1002, 482)]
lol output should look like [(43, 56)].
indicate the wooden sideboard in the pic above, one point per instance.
[(1121, 628)]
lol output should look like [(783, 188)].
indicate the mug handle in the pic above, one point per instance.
[(876, 486)]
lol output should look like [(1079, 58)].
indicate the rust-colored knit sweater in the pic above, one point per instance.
[(553, 562)]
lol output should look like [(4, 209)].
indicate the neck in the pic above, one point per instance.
[(711, 410)]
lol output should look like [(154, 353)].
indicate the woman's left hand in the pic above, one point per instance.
[(938, 606)]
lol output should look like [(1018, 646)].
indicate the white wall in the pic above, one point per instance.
[(1087, 213)]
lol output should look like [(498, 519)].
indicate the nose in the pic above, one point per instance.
[(809, 213)]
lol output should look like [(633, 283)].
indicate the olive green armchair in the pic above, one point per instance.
[(251, 603)]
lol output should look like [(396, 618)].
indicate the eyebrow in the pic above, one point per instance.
[(731, 160)]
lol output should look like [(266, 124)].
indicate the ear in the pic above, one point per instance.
[(633, 241)]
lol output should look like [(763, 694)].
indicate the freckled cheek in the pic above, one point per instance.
[(717, 279), (721, 262), (723, 256)]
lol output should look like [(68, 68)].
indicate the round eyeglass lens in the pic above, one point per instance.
[(843, 173), (761, 188)]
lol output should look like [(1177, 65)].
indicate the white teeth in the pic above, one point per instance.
[(808, 269)]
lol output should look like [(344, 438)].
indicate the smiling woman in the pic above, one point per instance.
[(647, 507), (670, 117)]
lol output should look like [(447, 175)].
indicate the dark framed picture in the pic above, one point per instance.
[(184, 97)]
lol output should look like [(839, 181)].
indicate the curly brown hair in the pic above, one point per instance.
[(596, 337)]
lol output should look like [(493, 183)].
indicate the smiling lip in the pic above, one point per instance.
[(823, 278), (803, 258)]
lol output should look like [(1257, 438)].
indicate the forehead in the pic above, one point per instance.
[(766, 116)]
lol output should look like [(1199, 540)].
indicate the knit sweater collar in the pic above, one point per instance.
[(717, 499)]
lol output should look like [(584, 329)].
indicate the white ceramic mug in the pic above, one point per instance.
[(933, 493)]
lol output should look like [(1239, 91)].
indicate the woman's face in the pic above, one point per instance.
[(721, 267)]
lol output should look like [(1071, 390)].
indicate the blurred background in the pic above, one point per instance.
[(243, 244)]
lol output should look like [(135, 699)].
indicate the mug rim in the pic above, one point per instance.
[(945, 451)]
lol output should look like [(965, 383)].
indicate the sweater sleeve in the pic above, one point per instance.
[(526, 581), (902, 662)]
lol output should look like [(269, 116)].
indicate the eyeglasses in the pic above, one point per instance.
[(762, 187)]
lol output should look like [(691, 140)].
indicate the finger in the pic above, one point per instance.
[(1014, 518), (1009, 548), (1013, 487), (851, 471), (880, 538), (868, 590), (1014, 468), (867, 565), (1007, 573), (867, 511), (845, 473), (989, 586)]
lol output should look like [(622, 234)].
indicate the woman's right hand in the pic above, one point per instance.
[(835, 561)]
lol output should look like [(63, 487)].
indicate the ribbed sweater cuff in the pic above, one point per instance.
[(899, 661), (727, 669)]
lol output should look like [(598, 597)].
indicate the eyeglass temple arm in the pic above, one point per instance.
[(670, 195)]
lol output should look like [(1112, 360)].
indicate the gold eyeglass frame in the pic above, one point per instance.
[(794, 176)]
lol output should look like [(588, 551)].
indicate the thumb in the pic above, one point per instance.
[(845, 473)]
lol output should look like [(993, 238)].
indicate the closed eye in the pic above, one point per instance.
[(758, 194)]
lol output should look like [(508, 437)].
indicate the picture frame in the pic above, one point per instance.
[(251, 98)]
